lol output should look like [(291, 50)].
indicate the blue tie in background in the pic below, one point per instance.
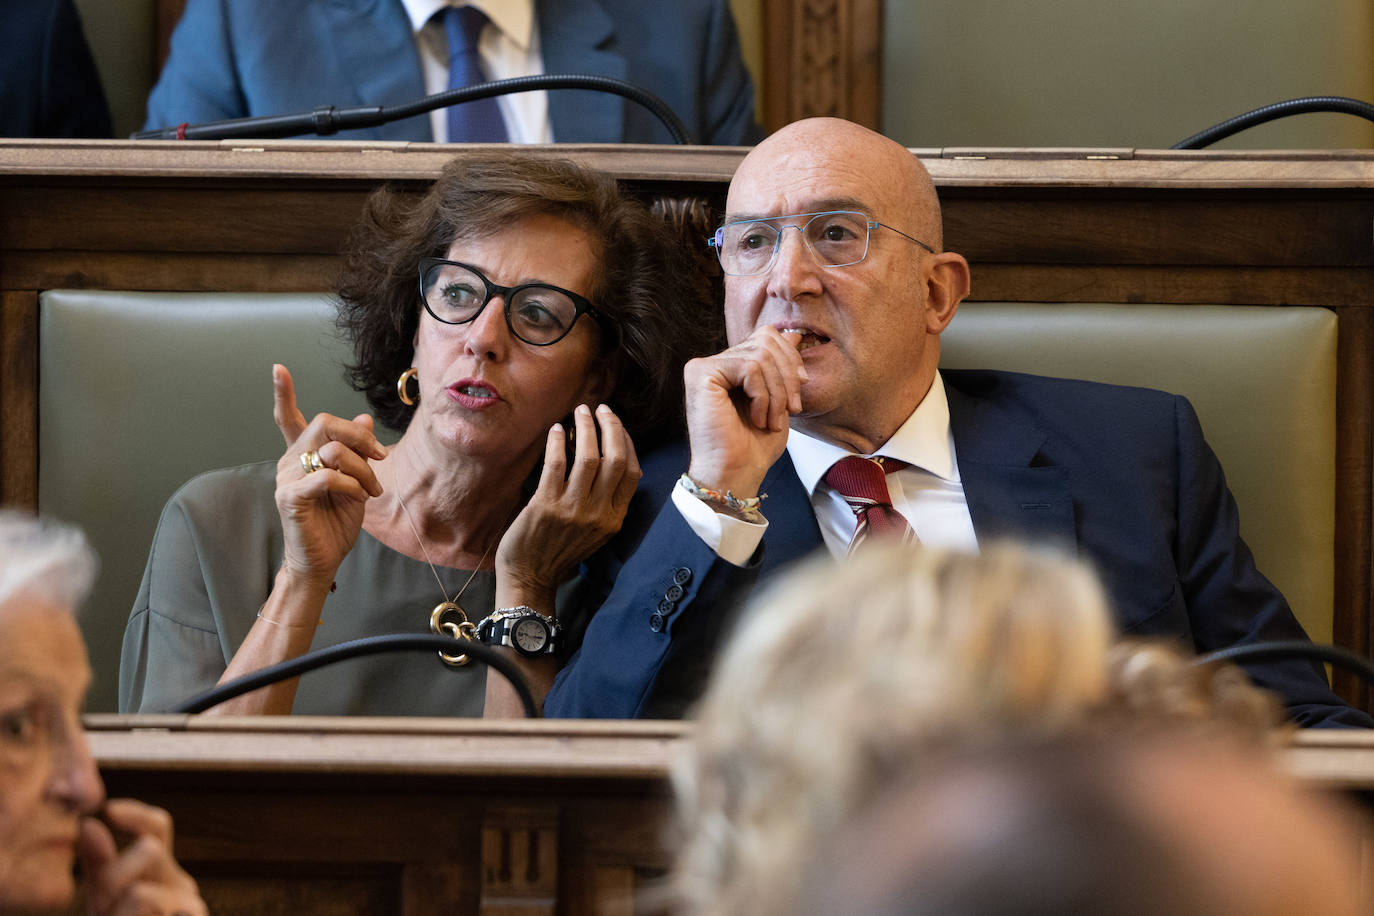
[(470, 122)]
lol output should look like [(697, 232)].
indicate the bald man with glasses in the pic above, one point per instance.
[(829, 401)]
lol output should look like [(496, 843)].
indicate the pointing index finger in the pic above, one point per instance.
[(285, 413)]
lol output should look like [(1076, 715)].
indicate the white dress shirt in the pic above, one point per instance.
[(928, 493), (509, 47)]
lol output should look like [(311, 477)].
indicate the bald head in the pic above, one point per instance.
[(868, 328), (861, 166)]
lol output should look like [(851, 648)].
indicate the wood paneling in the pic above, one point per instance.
[(18, 398), (1355, 489)]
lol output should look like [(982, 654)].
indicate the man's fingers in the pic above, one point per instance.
[(285, 413), (788, 347), (763, 385), (767, 369)]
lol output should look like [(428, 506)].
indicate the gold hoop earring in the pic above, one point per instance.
[(406, 376)]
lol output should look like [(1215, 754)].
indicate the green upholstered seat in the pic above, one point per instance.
[(1263, 381)]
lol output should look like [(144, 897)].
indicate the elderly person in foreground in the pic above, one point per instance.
[(818, 704), (53, 808), (522, 325)]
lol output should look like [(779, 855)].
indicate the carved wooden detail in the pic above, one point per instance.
[(823, 57)]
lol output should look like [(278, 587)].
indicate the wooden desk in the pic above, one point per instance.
[(403, 816), (418, 816)]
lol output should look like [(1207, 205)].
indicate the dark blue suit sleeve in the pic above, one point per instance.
[(729, 102), (1229, 601), (644, 652)]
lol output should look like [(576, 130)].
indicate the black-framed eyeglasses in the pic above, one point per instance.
[(537, 313), (835, 238)]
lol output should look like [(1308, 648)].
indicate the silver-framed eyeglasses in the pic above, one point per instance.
[(540, 314), (835, 238)]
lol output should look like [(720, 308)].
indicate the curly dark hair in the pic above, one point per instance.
[(647, 288)]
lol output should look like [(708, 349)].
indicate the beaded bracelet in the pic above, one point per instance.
[(726, 503)]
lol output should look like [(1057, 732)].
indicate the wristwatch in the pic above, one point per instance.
[(523, 629)]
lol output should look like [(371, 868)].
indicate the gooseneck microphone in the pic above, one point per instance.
[(327, 119), (1334, 103), (370, 645)]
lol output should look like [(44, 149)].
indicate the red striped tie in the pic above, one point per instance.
[(863, 484)]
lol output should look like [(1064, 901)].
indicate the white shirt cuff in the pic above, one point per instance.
[(734, 540)]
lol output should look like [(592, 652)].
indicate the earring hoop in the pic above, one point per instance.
[(406, 376)]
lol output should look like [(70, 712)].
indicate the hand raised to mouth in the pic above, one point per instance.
[(738, 404)]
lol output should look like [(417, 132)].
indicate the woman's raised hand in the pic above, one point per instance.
[(321, 510), (572, 513)]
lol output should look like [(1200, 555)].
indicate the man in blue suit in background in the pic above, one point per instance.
[(245, 58), (835, 343)]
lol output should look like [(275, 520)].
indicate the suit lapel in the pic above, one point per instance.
[(793, 532), (578, 36), (388, 72), (1010, 493)]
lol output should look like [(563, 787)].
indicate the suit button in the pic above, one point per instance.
[(674, 593), (656, 623), (682, 575), (665, 606)]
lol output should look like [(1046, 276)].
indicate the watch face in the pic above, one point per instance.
[(530, 635)]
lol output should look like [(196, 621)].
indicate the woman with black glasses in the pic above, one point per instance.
[(523, 325)]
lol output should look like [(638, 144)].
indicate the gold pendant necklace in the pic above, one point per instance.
[(448, 618)]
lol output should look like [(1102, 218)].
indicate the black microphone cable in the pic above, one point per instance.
[(327, 119), (369, 645), (1278, 650), (1334, 103)]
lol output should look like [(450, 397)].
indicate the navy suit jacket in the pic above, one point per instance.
[(48, 80), (244, 58), (1121, 476)]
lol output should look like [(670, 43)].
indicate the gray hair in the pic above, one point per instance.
[(45, 559)]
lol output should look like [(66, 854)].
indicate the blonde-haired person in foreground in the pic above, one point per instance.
[(841, 679), (53, 808)]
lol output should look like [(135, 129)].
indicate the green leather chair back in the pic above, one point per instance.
[(139, 392), (1263, 382)]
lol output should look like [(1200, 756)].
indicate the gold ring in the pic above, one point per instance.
[(311, 461)]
